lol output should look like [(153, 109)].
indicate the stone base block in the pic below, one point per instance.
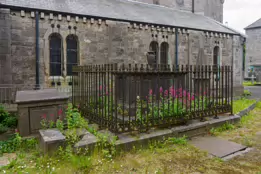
[(51, 140)]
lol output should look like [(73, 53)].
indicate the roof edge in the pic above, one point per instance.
[(123, 20), (230, 28)]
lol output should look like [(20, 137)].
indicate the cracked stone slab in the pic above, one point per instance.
[(88, 141), (216, 146)]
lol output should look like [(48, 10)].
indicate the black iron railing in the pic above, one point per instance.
[(136, 97)]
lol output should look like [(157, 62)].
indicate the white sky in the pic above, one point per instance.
[(241, 13)]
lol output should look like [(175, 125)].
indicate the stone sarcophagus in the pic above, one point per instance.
[(35, 105)]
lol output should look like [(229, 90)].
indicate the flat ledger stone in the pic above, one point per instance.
[(217, 146)]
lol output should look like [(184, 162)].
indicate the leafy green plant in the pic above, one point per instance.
[(3, 114), (74, 118), (60, 125), (44, 122), (17, 143), (10, 121), (225, 127), (171, 103), (179, 141), (247, 93), (51, 124), (3, 128)]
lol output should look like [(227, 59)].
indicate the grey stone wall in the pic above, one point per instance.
[(5, 47), (213, 9), (104, 41), (253, 47), (238, 65), (23, 49)]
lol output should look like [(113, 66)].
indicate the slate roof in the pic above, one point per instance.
[(124, 10), (256, 24)]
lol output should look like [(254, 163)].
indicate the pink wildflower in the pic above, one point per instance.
[(60, 112), (44, 116), (100, 87), (51, 115), (150, 92), (193, 98), (161, 89), (184, 93), (16, 131)]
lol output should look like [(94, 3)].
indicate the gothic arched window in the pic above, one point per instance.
[(55, 41), (216, 56), (164, 51), (72, 53), (154, 49)]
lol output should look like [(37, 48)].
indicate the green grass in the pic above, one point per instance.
[(249, 83), (175, 155), (242, 104)]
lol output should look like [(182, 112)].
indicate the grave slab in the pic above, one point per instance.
[(217, 146)]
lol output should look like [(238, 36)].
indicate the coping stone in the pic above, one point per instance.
[(222, 120), (127, 141), (247, 110), (39, 95), (195, 129), (51, 140)]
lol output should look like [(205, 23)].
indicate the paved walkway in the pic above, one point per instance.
[(255, 90)]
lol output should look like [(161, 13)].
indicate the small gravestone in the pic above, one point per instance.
[(34, 105), (51, 140), (258, 77)]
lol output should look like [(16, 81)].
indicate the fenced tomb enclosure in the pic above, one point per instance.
[(124, 98)]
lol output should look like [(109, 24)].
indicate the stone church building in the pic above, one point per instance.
[(41, 40), (253, 48)]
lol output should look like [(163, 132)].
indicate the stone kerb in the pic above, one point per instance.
[(35, 104)]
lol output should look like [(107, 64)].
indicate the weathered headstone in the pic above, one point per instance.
[(258, 76)]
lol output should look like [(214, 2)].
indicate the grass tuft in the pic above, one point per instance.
[(242, 104)]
